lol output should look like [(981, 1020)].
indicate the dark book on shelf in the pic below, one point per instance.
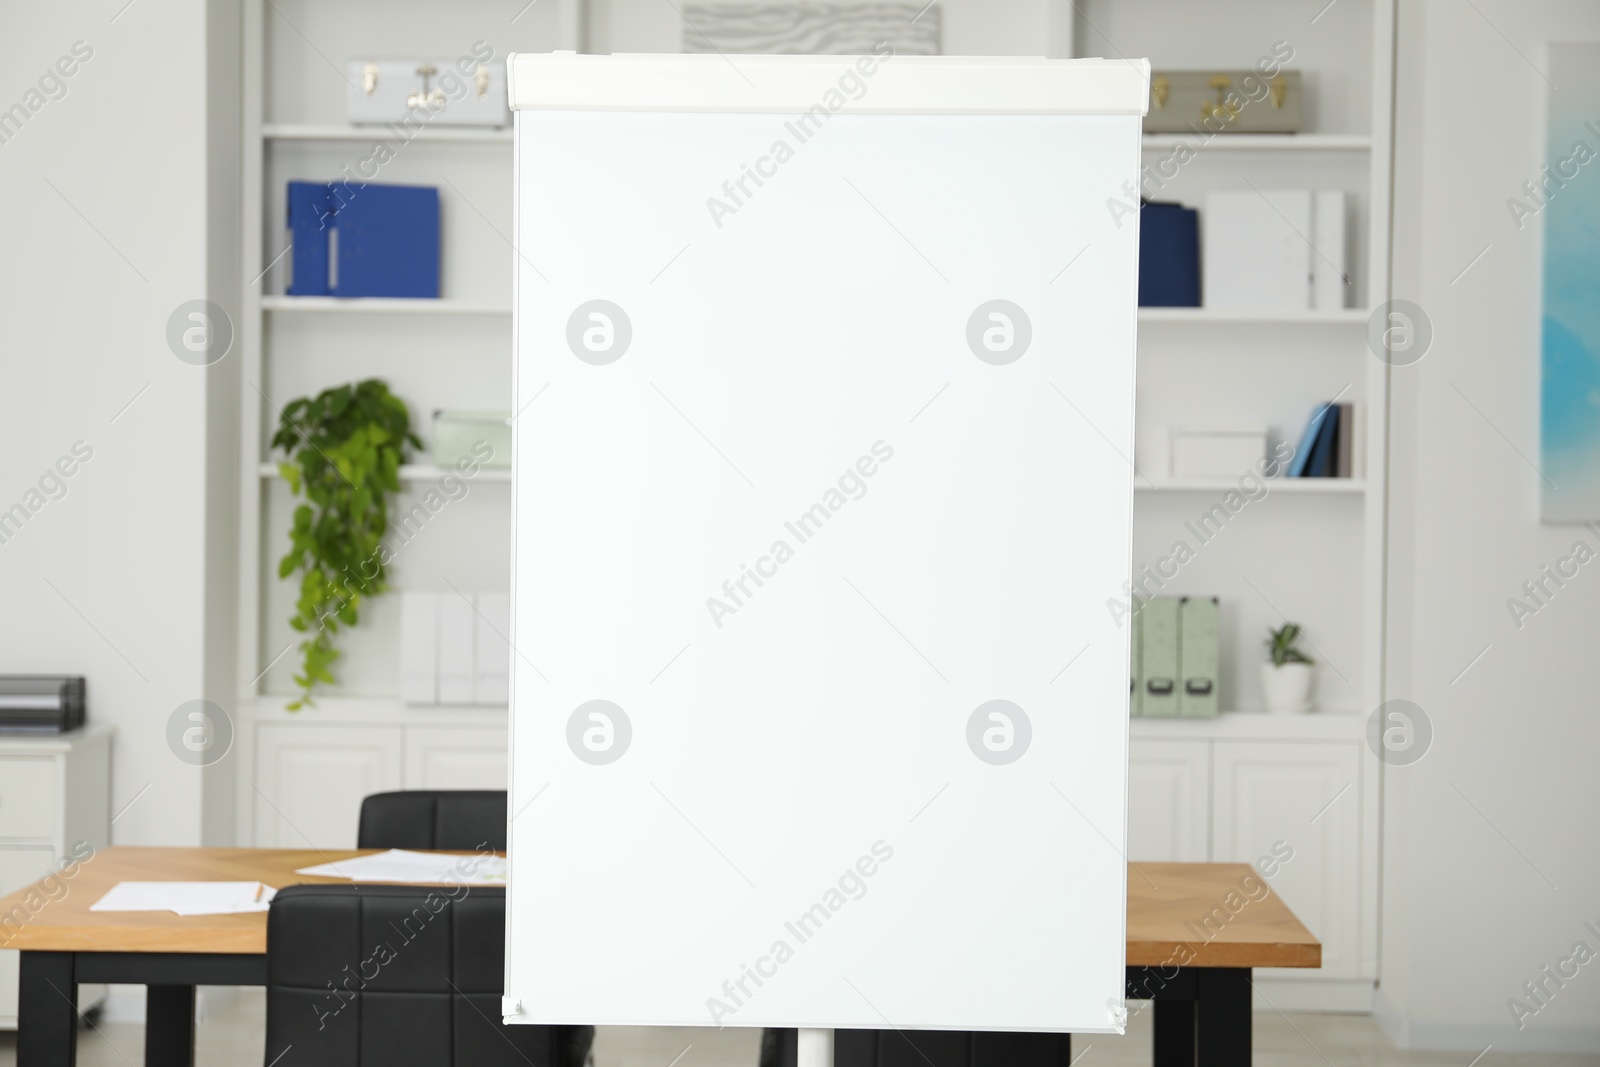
[(1299, 466), (1169, 255), (1344, 441), (1324, 452)]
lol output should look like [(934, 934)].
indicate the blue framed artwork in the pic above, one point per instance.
[(1569, 203)]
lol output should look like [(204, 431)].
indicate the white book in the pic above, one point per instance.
[(1257, 253), (456, 667), (1328, 265), (492, 648), (419, 648)]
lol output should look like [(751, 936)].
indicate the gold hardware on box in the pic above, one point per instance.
[(369, 78), (1205, 103), (1224, 110), (434, 98), (481, 80)]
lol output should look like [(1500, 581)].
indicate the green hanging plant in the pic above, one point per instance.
[(344, 448)]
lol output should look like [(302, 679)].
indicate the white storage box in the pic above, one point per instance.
[(416, 93), (1200, 454)]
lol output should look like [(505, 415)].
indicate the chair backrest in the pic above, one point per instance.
[(397, 975), (451, 819), (926, 1048)]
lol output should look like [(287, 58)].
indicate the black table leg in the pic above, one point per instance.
[(1222, 1017), (169, 1026), (1174, 1034), (47, 1011)]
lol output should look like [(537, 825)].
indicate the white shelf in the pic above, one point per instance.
[(331, 710), (420, 472), (1307, 486), (1217, 316), (1339, 725), (303, 131), (1262, 142), (379, 305)]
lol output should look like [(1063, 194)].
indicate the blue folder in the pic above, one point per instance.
[(388, 239), (389, 242), (310, 216), (1169, 255)]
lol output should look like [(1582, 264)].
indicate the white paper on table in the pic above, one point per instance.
[(187, 898), (400, 865)]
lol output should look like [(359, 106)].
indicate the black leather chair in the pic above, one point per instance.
[(397, 975), (460, 820), (926, 1048)]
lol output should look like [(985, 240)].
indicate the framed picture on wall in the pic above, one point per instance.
[(1568, 205)]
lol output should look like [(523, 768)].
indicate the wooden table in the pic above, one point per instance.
[(1195, 931)]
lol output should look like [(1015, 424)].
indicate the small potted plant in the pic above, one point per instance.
[(1286, 678)]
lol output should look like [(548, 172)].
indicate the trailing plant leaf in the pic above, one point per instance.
[(1281, 643), (343, 451)]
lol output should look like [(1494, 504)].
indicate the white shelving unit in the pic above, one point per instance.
[(1311, 550), (305, 771), (1221, 789)]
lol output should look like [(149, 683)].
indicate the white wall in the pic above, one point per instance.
[(106, 233), (1504, 803)]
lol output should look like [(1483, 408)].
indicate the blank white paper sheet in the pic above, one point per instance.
[(822, 487), (187, 898)]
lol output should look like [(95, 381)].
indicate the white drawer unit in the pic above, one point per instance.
[(55, 800)]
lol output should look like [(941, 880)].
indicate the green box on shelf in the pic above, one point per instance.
[(463, 435)]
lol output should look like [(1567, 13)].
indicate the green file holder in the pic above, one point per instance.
[(1197, 656), (1160, 656)]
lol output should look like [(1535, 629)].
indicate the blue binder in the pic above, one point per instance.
[(388, 239), (1169, 255), (310, 216), (389, 242)]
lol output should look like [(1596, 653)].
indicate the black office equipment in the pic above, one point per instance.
[(41, 703)]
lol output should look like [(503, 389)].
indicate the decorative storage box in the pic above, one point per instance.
[(1236, 101), (423, 92), (482, 437)]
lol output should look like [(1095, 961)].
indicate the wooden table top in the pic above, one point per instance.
[(1179, 914)]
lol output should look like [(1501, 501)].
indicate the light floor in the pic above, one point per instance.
[(237, 1034)]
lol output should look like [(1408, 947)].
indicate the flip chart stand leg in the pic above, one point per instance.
[(816, 1048)]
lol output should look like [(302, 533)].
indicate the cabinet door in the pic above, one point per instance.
[(1306, 794), (1169, 801), (455, 757), (19, 865), (310, 781)]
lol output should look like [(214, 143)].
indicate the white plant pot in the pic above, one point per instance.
[(1286, 689)]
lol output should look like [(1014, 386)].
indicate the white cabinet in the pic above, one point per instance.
[(310, 777), (1230, 789), (1306, 794), (310, 780), (55, 798), (1169, 801), (455, 758)]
